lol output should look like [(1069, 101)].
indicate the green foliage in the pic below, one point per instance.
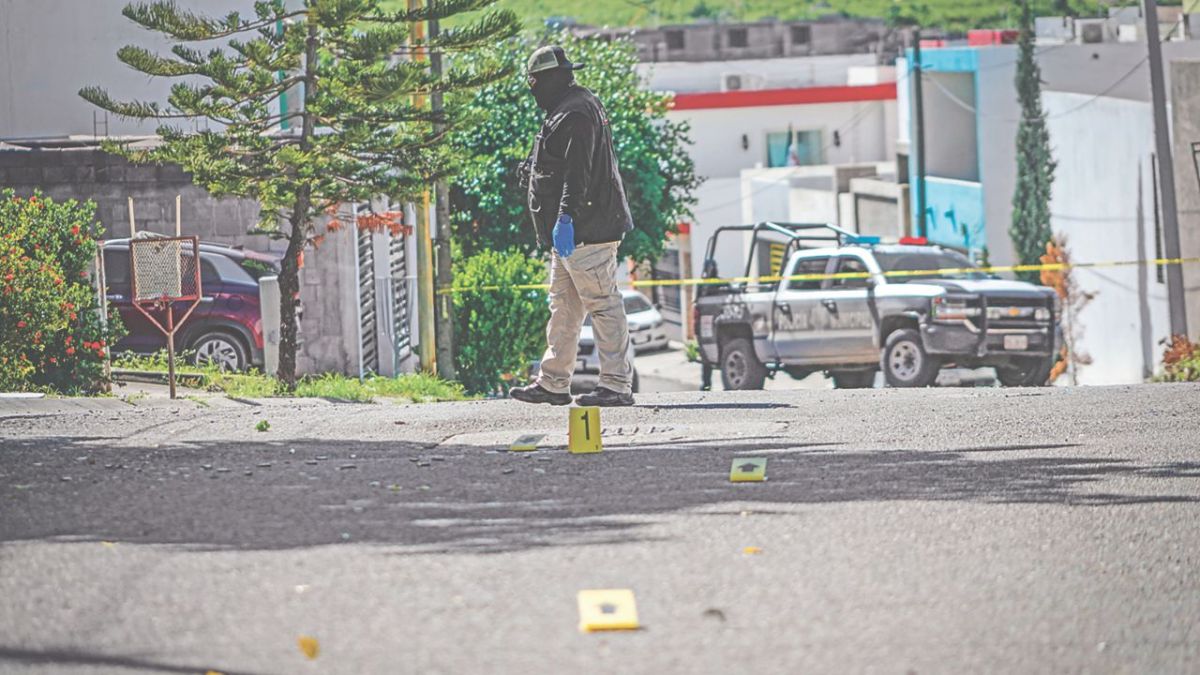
[(488, 207), (263, 425), (1181, 361), (1030, 229), (953, 15), (499, 331), (361, 127), (51, 337)]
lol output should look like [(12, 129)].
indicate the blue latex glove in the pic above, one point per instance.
[(564, 236)]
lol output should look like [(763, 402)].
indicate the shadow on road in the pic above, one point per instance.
[(718, 406), (70, 657), (460, 498)]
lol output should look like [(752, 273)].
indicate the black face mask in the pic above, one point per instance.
[(549, 87)]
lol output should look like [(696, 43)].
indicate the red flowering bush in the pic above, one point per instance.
[(1181, 360), (51, 335)]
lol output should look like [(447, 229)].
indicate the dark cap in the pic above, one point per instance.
[(549, 58)]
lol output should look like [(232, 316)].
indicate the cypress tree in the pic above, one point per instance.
[(1030, 228), (361, 128)]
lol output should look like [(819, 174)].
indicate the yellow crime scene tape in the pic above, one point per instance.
[(944, 271)]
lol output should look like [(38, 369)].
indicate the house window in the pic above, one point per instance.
[(737, 37), (674, 39), (801, 35), (806, 146)]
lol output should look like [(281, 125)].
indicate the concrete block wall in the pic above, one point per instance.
[(764, 39)]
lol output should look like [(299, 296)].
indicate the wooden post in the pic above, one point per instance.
[(425, 291), (132, 227), (171, 348)]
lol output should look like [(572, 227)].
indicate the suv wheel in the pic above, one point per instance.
[(740, 367), (1026, 372), (220, 349), (853, 379), (904, 361)]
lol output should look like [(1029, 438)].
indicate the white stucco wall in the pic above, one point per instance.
[(49, 49), (809, 71), (718, 203), (867, 133), (1103, 202)]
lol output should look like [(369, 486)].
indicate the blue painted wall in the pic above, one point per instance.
[(954, 212)]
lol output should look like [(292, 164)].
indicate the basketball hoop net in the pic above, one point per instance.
[(164, 272)]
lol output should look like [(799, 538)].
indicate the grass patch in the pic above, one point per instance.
[(416, 387)]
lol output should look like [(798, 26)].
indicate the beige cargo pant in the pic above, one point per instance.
[(585, 283)]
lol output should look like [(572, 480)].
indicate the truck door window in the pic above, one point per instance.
[(847, 265), (808, 266)]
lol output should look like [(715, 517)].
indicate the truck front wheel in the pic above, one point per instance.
[(904, 361), (1026, 372), (740, 367)]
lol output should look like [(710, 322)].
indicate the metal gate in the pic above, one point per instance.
[(398, 290), (368, 324), (669, 297)]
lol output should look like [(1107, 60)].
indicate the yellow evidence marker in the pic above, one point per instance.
[(584, 430), (309, 646), (526, 443), (611, 609), (748, 470)]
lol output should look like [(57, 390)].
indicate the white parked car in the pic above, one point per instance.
[(587, 365), (646, 330)]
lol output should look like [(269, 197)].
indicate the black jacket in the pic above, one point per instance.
[(573, 170)]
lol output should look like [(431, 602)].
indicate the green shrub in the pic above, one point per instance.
[(498, 333), (51, 336)]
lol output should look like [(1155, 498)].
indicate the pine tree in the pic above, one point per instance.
[(1030, 229), (361, 128)]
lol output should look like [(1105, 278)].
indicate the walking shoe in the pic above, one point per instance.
[(535, 393), (605, 397)]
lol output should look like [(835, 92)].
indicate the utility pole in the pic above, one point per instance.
[(1166, 186), (444, 311), (425, 318), (914, 74)]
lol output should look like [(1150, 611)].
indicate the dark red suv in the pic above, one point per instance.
[(226, 327)]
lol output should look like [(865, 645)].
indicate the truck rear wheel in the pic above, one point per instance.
[(853, 379), (740, 367), (904, 361)]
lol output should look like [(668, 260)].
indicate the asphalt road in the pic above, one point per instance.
[(932, 531)]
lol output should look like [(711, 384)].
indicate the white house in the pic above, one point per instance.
[(838, 110)]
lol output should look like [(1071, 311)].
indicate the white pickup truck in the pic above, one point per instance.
[(908, 309)]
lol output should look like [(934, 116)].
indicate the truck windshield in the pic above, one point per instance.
[(924, 263)]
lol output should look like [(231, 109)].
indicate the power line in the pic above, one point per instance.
[(972, 109)]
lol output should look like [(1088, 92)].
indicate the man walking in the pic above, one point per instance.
[(579, 210)]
